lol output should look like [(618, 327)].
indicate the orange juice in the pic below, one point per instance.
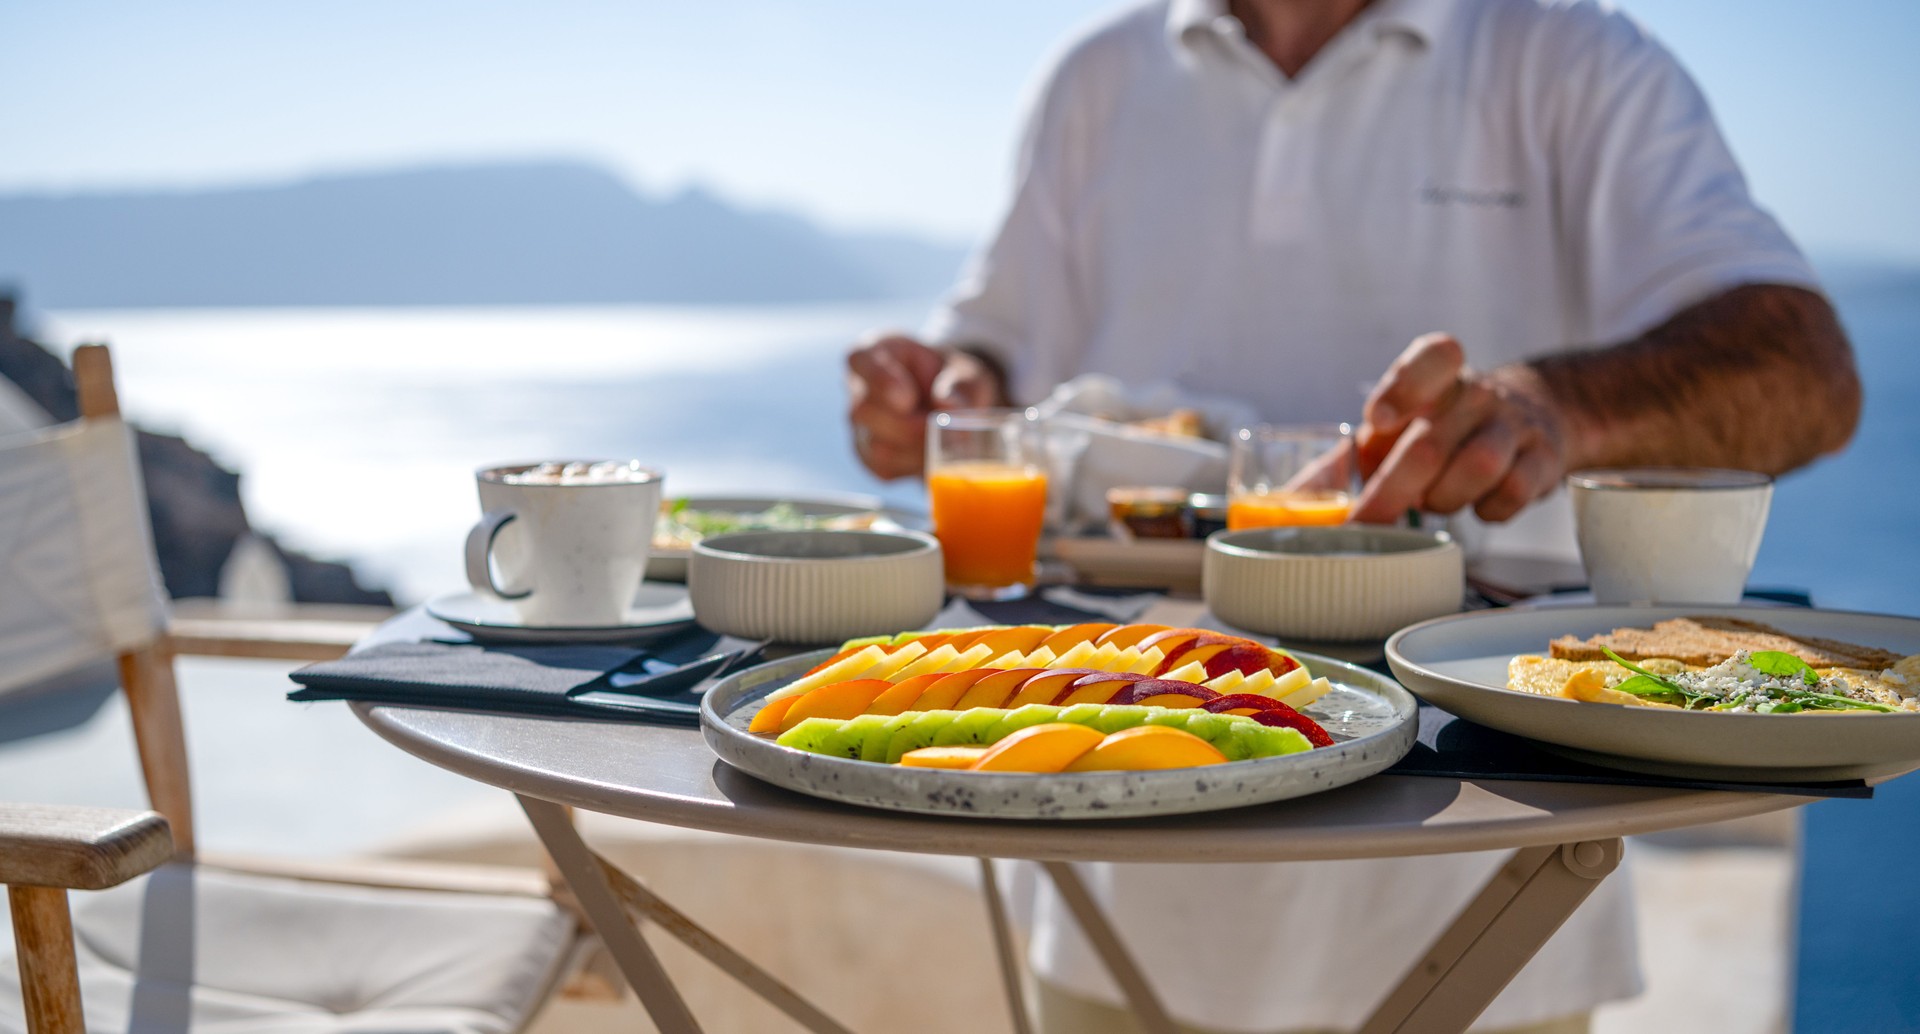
[(987, 517), (1287, 509)]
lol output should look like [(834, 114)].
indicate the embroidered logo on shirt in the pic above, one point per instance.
[(1431, 195)]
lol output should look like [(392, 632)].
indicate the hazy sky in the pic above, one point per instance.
[(861, 112)]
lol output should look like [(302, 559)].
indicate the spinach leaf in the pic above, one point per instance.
[(1782, 665), (1830, 702), (1637, 670), (1649, 688)]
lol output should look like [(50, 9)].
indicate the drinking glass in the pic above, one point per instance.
[(986, 474), (1669, 534), (1290, 475)]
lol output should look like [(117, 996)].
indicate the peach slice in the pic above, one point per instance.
[(849, 668), (1018, 638), (1125, 636), (1042, 688), (944, 694), (1103, 687), (1164, 693), (1073, 635), (1049, 747), (841, 701), (1172, 640), (1146, 747), (767, 719), (958, 757), (964, 638), (904, 695), (1242, 703)]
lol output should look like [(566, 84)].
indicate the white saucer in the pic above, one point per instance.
[(658, 609)]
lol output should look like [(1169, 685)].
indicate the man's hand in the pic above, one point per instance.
[(1439, 436), (893, 382)]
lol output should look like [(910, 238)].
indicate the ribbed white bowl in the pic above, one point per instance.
[(1339, 583), (815, 586)]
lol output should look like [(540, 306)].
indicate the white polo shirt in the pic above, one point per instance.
[(1529, 176)]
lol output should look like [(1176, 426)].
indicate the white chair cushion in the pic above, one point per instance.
[(208, 950)]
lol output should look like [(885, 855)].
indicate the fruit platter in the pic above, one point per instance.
[(1058, 722)]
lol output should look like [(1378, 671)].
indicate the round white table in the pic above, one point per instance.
[(1566, 838)]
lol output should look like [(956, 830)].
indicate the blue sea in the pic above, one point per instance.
[(357, 429)]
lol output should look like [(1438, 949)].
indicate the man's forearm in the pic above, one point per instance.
[(1757, 378)]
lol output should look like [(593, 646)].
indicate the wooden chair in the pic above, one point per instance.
[(183, 941)]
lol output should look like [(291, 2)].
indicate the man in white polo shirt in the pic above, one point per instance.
[(1269, 200)]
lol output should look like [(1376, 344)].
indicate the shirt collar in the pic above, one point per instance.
[(1423, 19)]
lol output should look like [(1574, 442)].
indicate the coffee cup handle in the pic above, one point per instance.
[(480, 554)]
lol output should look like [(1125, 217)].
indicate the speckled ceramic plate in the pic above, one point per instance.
[(1369, 716)]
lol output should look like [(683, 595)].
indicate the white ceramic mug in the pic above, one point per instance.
[(1669, 534), (569, 539)]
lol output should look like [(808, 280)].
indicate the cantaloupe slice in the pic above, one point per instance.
[(844, 671)]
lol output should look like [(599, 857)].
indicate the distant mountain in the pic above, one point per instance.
[(548, 233)]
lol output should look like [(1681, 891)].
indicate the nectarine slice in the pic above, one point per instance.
[(1041, 688), (904, 695), (1147, 747), (767, 719), (1000, 685), (1073, 635), (958, 757), (841, 701), (1049, 747), (944, 694), (1124, 636)]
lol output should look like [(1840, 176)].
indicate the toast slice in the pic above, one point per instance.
[(1706, 641)]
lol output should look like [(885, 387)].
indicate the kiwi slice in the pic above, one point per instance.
[(1020, 718), (916, 734), (874, 747), (1115, 717), (1081, 714), (820, 736), (1253, 740), (1174, 717), (1210, 727), (970, 729)]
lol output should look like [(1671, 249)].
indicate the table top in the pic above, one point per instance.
[(670, 776)]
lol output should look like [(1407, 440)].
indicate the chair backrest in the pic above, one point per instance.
[(78, 578)]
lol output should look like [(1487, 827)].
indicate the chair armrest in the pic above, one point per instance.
[(47, 845), (293, 632)]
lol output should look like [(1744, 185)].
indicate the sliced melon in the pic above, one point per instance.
[(851, 668), (1294, 679), (1077, 656), (1300, 698), (1149, 661), (933, 660), (967, 660), (1195, 673), (1226, 684), (899, 658)]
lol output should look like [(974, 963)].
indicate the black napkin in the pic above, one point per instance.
[(1457, 748), (543, 679)]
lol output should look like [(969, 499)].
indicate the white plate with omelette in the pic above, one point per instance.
[(1462, 664)]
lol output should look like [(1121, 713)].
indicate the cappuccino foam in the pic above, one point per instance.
[(577, 472)]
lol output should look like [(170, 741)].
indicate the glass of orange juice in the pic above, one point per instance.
[(986, 473), (1290, 475)]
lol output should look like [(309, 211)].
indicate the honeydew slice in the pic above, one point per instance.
[(1077, 656), (899, 658), (1195, 672), (1315, 690), (969, 659), (850, 668), (1226, 684), (934, 660), (1150, 659), (1292, 681)]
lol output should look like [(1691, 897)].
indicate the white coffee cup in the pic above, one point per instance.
[(1669, 534), (569, 539)]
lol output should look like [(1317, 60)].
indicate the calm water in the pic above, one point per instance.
[(357, 428)]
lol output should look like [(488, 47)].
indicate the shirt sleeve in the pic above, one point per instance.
[(1651, 198), (1016, 297)]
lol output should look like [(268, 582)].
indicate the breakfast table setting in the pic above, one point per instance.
[(830, 670)]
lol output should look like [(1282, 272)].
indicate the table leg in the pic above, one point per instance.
[(1004, 945), (1106, 941), (630, 894), (1486, 946), (597, 899)]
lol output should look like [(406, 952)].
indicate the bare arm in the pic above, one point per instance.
[(1758, 377)]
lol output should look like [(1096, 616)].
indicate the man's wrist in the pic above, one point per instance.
[(1581, 432), (990, 362)]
